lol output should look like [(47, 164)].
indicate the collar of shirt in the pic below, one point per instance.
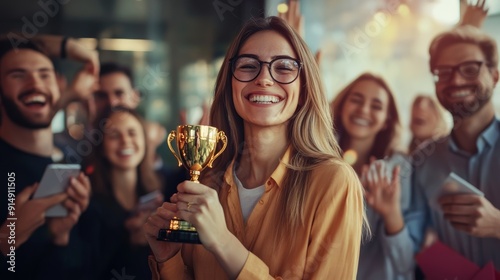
[(487, 138)]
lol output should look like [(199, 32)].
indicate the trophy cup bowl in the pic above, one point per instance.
[(196, 147)]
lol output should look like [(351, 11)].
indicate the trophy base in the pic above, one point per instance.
[(179, 231), (179, 236)]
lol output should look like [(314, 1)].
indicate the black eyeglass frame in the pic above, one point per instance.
[(232, 65), (457, 68)]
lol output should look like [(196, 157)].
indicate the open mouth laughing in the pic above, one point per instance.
[(264, 99)]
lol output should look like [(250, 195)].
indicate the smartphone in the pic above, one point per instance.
[(149, 202), (55, 180), (455, 184)]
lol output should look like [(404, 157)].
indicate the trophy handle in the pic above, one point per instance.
[(171, 136), (222, 136)]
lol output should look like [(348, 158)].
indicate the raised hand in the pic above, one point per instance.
[(84, 84), (78, 52), (472, 214), (296, 20), (294, 17), (74, 50), (475, 14), (30, 215), (78, 195), (82, 89), (382, 193)]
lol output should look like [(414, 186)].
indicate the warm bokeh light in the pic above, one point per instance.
[(446, 12), (282, 8), (131, 45), (379, 15), (118, 44), (350, 156), (424, 25), (404, 10)]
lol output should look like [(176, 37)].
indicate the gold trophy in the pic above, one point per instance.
[(196, 145)]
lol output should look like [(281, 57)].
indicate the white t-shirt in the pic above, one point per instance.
[(248, 197)]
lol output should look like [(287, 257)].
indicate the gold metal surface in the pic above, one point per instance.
[(196, 150), (196, 145)]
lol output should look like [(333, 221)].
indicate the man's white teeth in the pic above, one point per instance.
[(459, 94), (264, 99), (126, 152), (37, 98), (359, 121)]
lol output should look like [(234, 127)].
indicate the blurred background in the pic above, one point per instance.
[(175, 47)]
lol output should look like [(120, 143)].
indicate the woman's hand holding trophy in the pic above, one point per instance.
[(196, 145)]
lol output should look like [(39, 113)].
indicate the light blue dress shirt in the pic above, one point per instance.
[(432, 165), (383, 256)]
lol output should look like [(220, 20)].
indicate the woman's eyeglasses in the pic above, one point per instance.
[(283, 69)]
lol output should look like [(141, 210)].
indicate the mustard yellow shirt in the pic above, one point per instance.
[(326, 247)]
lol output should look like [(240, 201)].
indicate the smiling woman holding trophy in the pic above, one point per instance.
[(279, 202)]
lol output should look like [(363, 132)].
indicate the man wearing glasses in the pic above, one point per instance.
[(464, 63)]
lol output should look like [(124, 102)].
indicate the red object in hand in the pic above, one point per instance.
[(441, 262)]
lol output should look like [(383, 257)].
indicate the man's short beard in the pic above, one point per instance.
[(16, 116), (467, 109)]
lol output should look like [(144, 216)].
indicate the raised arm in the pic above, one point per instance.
[(86, 80), (474, 14), (294, 17), (296, 20), (389, 197)]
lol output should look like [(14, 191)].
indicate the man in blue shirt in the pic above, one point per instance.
[(464, 63)]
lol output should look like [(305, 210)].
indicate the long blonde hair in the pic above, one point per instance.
[(312, 140), (441, 127)]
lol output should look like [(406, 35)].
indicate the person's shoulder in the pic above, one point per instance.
[(334, 183), (5, 147), (430, 155), (431, 144), (430, 148), (332, 165), (398, 158), (335, 173)]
